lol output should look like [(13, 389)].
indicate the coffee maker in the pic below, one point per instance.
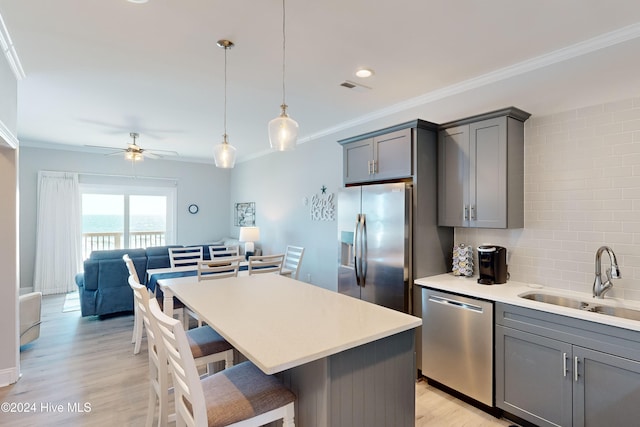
[(492, 265)]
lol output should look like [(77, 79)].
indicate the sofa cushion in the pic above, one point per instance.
[(117, 253), (158, 256)]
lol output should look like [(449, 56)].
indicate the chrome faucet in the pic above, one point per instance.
[(613, 272)]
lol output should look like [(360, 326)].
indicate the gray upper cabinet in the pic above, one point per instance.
[(481, 171), (378, 158)]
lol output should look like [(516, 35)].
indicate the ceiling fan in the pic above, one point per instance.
[(134, 152)]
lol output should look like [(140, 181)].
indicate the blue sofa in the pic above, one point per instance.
[(104, 287)]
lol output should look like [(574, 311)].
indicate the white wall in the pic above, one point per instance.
[(8, 103), (582, 179), (582, 190), (199, 183), (9, 356), (277, 183)]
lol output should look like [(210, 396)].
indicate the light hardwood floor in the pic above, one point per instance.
[(78, 361)]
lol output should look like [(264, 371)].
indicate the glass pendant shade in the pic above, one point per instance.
[(283, 132), (224, 154)]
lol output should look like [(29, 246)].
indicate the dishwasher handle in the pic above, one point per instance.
[(455, 303)]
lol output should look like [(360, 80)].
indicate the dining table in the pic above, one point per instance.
[(155, 274), (348, 361)]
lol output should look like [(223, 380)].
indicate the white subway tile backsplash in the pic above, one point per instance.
[(624, 104), (582, 190), (631, 125), (591, 111)]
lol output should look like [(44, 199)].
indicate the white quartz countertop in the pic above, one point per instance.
[(279, 323), (511, 291)]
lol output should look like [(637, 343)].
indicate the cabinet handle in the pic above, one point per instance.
[(473, 212), (369, 167), (575, 369), (564, 364), (465, 213), (375, 166)]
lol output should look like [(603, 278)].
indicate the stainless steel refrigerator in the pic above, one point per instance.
[(374, 233)]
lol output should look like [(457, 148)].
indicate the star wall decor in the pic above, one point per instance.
[(323, 207)]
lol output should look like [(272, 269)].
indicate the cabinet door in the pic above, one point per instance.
[(488, 172), (358, 161), (392, 155), (453, 177), (607, 391), (533, 377)]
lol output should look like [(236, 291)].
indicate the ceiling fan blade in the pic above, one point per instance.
[(103, 147), (151, 155), (163, 152), (115, 153)]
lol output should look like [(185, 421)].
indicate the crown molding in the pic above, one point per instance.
[(10, 51), (557, 56), (8, 137)]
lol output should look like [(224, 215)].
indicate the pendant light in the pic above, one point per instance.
[(283, 130), (224, 153)]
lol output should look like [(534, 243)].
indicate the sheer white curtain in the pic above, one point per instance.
[(58, 235)]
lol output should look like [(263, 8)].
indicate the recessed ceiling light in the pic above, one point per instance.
[(138, 1), (364, 73)]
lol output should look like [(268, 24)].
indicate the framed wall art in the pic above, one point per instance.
[(245, 214)]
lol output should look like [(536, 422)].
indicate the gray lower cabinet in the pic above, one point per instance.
[(607, 391), (530, 382), (557, 371)]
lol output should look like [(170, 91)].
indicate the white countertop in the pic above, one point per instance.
[(510, 292), (279, 323)]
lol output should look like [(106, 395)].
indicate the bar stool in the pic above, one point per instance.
[(241, 395), (205, 346)]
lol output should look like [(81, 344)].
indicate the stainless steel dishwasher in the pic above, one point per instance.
[(457, 343)]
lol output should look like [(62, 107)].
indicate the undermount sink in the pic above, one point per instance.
[(625, 313), (556, 300)]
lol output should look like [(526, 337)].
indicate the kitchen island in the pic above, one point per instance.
[(348, 361)]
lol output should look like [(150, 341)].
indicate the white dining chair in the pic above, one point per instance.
[(138, 324), (259, 264), (219, 268), (239, 396), (205, 345), (183, 257), (216, 269), (217, 251), (293, 259)]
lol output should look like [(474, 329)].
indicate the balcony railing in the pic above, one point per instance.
[(105, 241)]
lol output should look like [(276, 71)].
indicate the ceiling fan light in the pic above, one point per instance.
[(133, 156), (283, 132), (224, 154)]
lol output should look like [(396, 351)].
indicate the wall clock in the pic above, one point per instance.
[(193, 208)]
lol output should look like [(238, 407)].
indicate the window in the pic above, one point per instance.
[(122, 217)]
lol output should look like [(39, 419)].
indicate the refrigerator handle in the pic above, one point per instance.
[(356, 257), (363, 249)]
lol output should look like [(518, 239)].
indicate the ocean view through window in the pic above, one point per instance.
[(122, 221)]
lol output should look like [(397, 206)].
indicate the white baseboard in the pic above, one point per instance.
[(9, 376)]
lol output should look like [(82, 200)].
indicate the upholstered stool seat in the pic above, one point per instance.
[(242, 392), (204, 341)]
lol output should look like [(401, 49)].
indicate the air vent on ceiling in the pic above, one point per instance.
[(354, 86)]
